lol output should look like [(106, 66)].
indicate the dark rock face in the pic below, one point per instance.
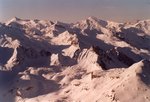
[(45, 53), (120, 35), (122, 55), (15, 25), (5, 54), (125, 59), (60, 26), (102, 57), (126, 56), (32, 53), (93, 31), (145, 74), (27, 52)]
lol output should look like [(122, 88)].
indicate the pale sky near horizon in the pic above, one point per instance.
[(75, 10)]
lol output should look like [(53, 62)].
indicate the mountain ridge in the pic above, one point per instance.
[(53, 61)]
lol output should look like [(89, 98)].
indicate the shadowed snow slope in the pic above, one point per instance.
[(90, 61)]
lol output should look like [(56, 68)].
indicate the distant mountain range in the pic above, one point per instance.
[(89, 61)]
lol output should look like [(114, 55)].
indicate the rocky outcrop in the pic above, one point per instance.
[(22, 55)]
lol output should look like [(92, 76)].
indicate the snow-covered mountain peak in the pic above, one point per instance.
[(43, 61)]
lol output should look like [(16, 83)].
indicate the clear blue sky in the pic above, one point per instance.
[(75, 10)]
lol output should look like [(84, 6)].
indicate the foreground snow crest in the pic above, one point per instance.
[(90, 61)]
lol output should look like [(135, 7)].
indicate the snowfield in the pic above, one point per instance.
[(89, 61)]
